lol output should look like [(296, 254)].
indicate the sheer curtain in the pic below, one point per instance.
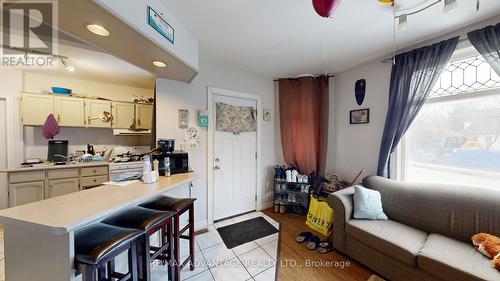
[(413, 75), (487, 42), (303, 107)]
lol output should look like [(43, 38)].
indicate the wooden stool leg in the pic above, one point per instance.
[(111, 269), (145, 261), (171, 260), (88, 273), (132, 262), (191, 237), (177, 258), (101, 272)]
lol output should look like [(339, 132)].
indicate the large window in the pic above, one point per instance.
[(455, 137)]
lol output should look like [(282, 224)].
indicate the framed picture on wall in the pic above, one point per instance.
[(359, 116)]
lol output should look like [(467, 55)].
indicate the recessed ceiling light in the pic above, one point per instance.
[(158, 63), (97, 29)]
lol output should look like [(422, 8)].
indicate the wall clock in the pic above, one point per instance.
[(359, 91)]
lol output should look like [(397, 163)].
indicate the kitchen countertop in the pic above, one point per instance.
[(37, 167), (67, 213)]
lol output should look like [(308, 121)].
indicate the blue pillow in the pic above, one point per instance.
[(368, 204)]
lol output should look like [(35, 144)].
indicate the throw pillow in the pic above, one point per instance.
[(488, 245), (368, 204)]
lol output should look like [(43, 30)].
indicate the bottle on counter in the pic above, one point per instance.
[(167, 166), (146, 166), (156, 165)]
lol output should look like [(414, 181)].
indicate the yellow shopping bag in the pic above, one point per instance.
[(320, 216)]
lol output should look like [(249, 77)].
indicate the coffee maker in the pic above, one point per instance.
[(179, 161)]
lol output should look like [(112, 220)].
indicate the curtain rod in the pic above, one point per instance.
[(328, 76), (389, 59)]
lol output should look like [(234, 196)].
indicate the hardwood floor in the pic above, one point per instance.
[(292, 252)]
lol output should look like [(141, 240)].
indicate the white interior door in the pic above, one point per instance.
[(234, 167)]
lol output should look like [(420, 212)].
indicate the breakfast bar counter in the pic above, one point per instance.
[(39, 237)]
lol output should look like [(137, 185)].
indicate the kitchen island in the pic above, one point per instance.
[(39, 237)]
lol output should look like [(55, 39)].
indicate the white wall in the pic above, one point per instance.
[(354, 147), (173, 95)]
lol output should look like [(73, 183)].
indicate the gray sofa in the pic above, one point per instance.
[(427, 236)]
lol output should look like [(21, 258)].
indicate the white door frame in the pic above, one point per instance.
[(211, 92), (11, 122)]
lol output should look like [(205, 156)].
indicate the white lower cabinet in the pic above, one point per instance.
[(30, 186), (61, 187), (27, 192)]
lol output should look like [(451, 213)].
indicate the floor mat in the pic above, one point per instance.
[(246, 231)]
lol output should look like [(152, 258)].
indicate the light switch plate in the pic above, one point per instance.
[(188, 146), (267, 114), (183, 118)]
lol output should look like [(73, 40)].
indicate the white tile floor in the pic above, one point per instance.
[(255, 260)]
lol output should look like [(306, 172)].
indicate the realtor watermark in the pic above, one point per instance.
[(268, 263), (29, 34)]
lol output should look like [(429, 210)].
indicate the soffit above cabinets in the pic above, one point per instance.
[(125, 42)]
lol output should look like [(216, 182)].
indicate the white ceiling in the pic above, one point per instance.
[(284, 38), (93, 64)]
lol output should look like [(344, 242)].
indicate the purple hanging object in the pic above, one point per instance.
[(50, 127)]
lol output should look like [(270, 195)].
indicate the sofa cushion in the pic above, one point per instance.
[(450, 259), (394, 239), (440, 208)]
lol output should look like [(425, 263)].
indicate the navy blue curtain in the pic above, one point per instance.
[(413, 76), (487, 43)]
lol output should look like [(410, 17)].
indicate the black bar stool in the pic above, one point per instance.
[(151, 222), (97, 246), (179, 206)]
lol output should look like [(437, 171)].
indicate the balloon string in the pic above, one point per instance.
[(324, 47), (394, 33)]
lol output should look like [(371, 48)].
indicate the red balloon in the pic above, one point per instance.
[(325, 8)]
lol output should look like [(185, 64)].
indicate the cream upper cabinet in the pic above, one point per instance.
[(123, 115), (61, 187), (70, 112), (144, 116), (36, 108), (94, 110), (24, 193)]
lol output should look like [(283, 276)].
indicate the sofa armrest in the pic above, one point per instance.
[(342, 204)]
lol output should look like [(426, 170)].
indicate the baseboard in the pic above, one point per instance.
[(200, 225), (266, 206)]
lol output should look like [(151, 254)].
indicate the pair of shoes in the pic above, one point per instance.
[(276, 207), (326, 246), (282, 208), (312, 240)]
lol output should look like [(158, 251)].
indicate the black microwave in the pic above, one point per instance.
[(179, 162)]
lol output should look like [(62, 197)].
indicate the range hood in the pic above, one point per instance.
[(125, 132)]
